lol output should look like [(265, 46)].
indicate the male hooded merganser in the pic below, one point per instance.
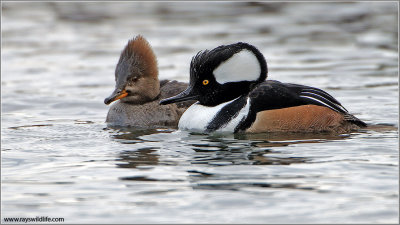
[(139, 90), (229, 84)]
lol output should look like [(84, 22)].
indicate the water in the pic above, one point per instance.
[(59, 159)]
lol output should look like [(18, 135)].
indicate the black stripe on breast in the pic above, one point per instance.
[(248, 120), (226, 114)]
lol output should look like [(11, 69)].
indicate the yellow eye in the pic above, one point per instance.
[(205, 82)]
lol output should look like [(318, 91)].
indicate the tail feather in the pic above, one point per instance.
[(354, 120)]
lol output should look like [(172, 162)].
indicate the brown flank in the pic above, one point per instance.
[(305, 118)]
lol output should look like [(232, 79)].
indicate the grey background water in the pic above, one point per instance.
[(60, 160)]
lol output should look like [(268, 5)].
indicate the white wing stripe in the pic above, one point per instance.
[(319, 91), (327, 100), (309, 97)]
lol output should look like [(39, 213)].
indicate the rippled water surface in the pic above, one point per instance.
[(59, 159)]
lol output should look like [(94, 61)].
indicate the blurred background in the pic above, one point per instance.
[(67, 52), (58, 61)]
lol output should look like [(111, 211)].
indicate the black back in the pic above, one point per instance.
[(273, 94)]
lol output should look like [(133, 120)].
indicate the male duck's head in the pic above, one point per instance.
[(223, 74), (136, 74)]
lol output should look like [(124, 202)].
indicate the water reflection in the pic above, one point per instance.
[(285, 139), (131, 135), (237, 186), (202, 155), (214, 149), (140, 157)]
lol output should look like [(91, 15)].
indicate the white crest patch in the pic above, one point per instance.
[(242, 66)]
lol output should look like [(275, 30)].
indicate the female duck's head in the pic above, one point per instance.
[(136, 74)]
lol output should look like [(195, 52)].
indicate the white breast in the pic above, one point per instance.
[(197, 117)]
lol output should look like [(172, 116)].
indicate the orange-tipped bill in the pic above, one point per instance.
[(117, 94)]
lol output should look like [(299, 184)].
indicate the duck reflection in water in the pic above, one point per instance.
[(249, 149), (206, 152)]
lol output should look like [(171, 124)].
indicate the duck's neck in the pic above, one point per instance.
[(227, 94)]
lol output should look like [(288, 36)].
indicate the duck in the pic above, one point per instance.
[(138, 90), (232, 95)]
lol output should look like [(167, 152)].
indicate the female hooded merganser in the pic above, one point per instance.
[(229, 84), (139, 90)]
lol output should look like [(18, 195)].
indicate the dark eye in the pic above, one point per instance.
[(205, 82)]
